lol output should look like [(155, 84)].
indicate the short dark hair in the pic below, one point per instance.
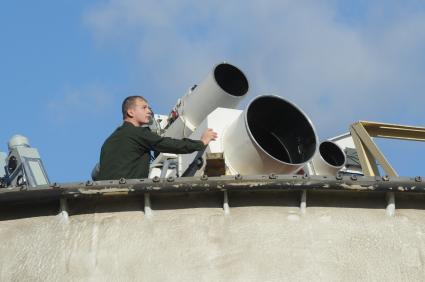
[(128, 103)]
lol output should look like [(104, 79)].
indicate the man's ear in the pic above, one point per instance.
[(130, 112)]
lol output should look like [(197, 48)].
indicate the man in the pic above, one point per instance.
[(126, 153)]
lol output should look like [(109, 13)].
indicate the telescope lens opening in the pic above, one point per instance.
[(332, 154), (231, 79), (281, 130)]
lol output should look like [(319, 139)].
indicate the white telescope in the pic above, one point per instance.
[(272, 135), (329, 159), (224, 87)]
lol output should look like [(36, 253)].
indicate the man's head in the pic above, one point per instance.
[(135, 109)]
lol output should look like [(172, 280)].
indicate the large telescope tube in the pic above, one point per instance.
[(224, 87), (329, 159), (272, 135)]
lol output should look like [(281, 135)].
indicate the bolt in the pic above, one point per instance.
[(272, 176)]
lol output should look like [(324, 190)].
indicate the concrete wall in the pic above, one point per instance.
[(343, 236)]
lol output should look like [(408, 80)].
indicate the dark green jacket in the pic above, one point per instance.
[(126, 153)]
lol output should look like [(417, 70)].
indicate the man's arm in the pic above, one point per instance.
[(177, 146)]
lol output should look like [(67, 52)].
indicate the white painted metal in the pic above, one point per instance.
[(329, 159), (225, 87), (218, 120), (147, 208), (179, 129), (63, 209), (390, 209), (345, 141), (158, 123), (155, 171), (18, 140), (303, 202), (226, 207), (158, 163), (3, 157), (243, 152), (29, 167)]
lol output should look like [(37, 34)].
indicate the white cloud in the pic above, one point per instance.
[(79, 104), (339, 72)]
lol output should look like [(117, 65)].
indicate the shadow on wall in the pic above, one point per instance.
[(10, 211), (214, 200)]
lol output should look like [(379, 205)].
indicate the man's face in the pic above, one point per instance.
[(140, 112)]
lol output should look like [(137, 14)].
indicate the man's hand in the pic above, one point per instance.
[(208, 136)]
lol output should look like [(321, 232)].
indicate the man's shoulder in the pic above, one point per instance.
[(127, 127), (129, 131), (142, 133)]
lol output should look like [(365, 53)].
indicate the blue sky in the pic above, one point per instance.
[(65, 66)]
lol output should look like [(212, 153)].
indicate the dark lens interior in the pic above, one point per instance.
[(281, 130), (231, 79), (332, 154)]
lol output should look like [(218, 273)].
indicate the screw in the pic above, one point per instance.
[(272, 176)]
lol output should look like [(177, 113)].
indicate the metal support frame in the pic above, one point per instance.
[(147, 209), (303, 202), (369, 153), (226, 207), (63, 208)]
